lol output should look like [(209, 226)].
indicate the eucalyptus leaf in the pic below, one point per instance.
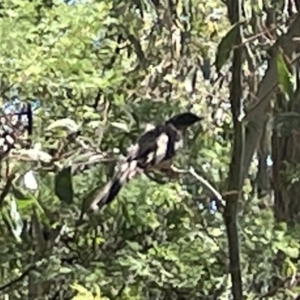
[(226, 45), (284, 77), (67, 124), (64, 185), (119, 125)]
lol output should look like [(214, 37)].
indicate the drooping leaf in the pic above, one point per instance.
[(64, 185), (190, 80), (120, 125), (9, 224), (226, 46), (284, 77), (5, 190), (289, 268), (16, 217), (67, 124), (31, 155), (13, 219), (206, 67)]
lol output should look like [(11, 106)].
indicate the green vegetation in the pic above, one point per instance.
[(110, 68)]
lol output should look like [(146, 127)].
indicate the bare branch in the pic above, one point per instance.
[(205, 183), (18, 279)]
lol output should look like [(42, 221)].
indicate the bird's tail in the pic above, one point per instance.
[(113, 187)]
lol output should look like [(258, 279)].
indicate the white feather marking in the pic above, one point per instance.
[(178, 145), (162, 147)]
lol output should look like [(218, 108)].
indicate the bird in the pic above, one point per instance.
[(153, 150)]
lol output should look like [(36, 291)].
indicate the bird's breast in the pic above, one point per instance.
[(178, 144)]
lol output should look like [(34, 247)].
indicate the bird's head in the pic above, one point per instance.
[(184, 120)]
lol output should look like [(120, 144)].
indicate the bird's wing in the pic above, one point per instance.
[(153, 148)]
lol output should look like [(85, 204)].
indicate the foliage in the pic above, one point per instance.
[(101, 71)]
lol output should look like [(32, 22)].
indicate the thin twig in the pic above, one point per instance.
[(204, 182), (18, 279), (207, 185)]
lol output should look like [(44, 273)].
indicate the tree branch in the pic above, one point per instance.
[(235, 168), (19, 278), (256, 116)]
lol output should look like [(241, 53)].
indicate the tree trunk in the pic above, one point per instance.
[(286, 158)]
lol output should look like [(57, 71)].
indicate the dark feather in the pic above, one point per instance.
[(147, 144), (154, 147), (184, 120), (114, 189)]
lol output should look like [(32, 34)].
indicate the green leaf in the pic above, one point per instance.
[(65, 270), (9, 224), (292, 252), (225, 46), (6, 189), (79, 288), (284, 77), (122, 126), (32, 155), (22, 204), (67, 124), (289, 269), (134, 246), (20, 194), (63, 185)]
